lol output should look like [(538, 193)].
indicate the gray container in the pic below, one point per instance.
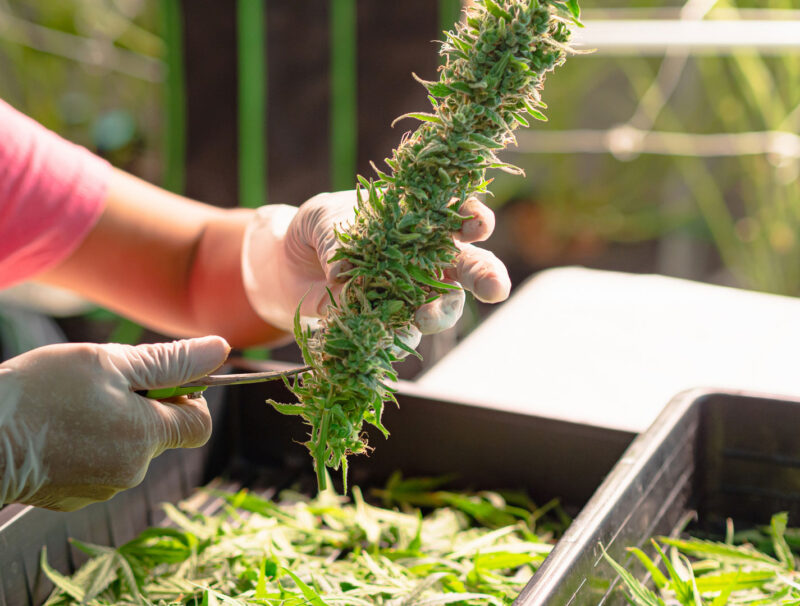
[(721, 455), (255, 446)]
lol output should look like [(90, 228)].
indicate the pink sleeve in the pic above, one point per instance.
[(52, 192)]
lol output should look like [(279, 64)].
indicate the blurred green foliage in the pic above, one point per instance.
[(92, 70)]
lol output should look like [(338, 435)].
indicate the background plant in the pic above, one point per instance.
[(92, 71), (727, 214)]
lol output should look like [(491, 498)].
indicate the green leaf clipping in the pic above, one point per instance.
[(778, 530), (310, 595), (325, 551), (65, 584), (701, 572), (641, 595), (658, 577)]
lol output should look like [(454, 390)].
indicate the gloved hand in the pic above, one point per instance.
[(72, 430), (286, 251)]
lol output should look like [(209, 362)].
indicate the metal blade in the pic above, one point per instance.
[(245, 378)]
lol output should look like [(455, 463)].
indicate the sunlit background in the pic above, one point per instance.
[(677, 153)]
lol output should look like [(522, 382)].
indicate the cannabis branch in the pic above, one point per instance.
[(401, 239)]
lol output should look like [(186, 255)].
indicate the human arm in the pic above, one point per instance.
[(168, 262), (173, 264)]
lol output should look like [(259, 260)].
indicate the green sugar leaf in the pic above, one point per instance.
[(419, 275), (458, 42), (398, 342), (439, 89), (574, 8), (535, 112), (485, 141), (89, 548), (288, 409), (104, 575), (461, 87), (498, 12), (419, 116), (521, 119), (261, 586)]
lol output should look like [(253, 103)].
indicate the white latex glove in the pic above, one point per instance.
[(72, 430), (286, 251)]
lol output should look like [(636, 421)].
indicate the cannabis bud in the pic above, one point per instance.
[(401, 238)]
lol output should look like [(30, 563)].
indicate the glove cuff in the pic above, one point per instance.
[(263, 259)]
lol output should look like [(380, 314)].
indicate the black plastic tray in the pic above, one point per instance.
[(721, 455), (253, 444)]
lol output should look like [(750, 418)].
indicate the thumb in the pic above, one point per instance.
[(168, 364), (184, 424)]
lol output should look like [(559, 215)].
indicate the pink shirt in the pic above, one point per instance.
[(52, 192)]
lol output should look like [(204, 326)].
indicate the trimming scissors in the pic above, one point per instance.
[(203, 383)]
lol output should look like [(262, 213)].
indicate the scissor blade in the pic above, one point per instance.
[(245, 378)]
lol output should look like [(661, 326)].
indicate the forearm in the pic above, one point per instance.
[(167, 262), (217, 295)]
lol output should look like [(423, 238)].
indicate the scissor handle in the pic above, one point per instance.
[(165, 393)]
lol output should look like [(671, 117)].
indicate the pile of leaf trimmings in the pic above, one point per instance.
[(325, 551), (401, 239), (755, 567)]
